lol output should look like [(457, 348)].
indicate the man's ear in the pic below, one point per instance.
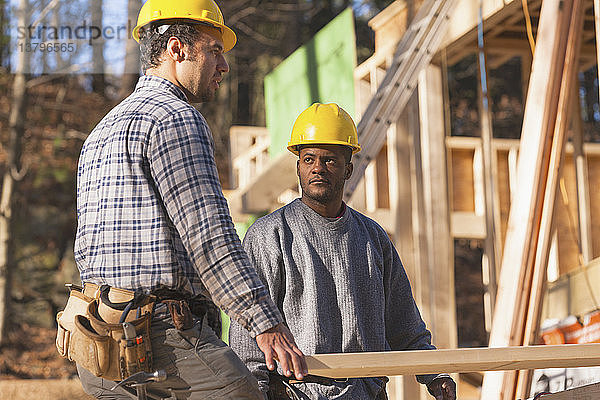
[(349, 169), (298, 167), (176, 50)]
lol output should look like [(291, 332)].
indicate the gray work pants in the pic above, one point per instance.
[(198, 365)]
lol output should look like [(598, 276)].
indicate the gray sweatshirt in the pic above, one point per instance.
[(341, 288)]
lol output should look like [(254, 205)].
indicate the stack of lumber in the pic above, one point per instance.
[(523, 269)]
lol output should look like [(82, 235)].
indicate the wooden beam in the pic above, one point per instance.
[(418, 275), (399, 156), (467, 225), (539, 279), (581, 173), (514, 48), (440, 246), (492, 252), (463, 19), (525, 210), (355, 365)]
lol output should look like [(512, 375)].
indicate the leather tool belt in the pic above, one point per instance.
[(106, 330)]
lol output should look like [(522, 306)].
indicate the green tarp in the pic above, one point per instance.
[(320, 71)]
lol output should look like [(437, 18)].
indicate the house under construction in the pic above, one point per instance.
[(514, 172)]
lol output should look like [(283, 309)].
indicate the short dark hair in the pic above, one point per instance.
[(348, 154), (153, 43)]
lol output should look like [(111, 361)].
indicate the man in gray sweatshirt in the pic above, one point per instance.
[(332, 272)]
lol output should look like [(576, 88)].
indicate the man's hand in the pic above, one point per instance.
[(278, 344), (442, 388)]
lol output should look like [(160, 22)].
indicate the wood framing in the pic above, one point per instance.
[(582, 181), (564, 114), (355, 365), (260, 195), (492, 240), (440, 272), (400, 158), (574, 293), (525, 212), (418, 171)]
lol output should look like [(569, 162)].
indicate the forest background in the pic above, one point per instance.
[(52, 97)]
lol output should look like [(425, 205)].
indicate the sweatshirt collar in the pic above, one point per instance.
[(332, 223)]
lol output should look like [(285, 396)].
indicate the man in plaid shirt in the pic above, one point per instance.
[(152, 216)]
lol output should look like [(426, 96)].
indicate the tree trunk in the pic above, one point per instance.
[(98, 81), (11, 175), (3, 23), (131, 71)]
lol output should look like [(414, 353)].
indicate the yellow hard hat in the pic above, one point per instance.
[(324, 124), (206, 11)]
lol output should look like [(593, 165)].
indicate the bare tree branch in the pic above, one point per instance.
[(257, 36), (18, 175), (45, 11)]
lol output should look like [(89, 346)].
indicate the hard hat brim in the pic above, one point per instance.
[(227, 34), (293, 147)]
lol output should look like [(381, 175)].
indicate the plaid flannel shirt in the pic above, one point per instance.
[(151, 212)]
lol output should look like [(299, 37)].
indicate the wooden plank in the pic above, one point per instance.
[(520, 243), (503, 189), (399, 158), (418, 275), (355, 365), (467, 225), (370, 187), (581, 173), (398, 147), (587, 392), (489, 172), (440, 246), (464, 17), (554, 168), (382, 178)]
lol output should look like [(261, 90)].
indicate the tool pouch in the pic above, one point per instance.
[(98, 343), (102, 348), (65, 320), (95, 352)]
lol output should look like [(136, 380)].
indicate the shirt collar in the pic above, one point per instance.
[(153, 81)]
